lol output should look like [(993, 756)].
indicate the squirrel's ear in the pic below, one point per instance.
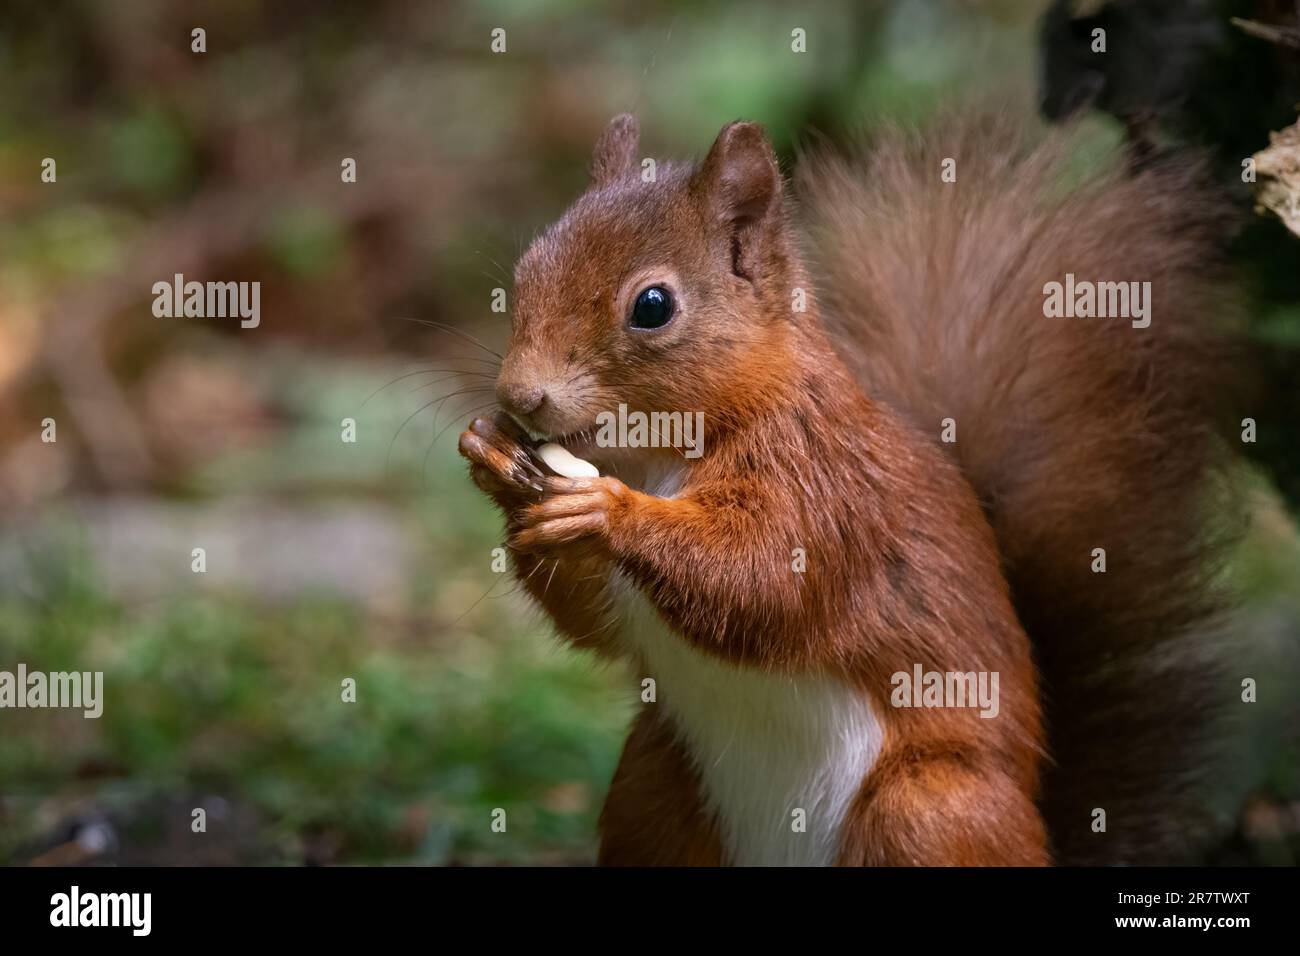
[(615, 151), (739, 184)]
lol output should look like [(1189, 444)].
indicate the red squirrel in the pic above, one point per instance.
[(909, 468)]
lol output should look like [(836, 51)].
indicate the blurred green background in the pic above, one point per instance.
[(371, 560)]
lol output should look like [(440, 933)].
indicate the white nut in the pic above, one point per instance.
[(562, 462)]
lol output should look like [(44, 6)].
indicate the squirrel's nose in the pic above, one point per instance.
[(520, 399)]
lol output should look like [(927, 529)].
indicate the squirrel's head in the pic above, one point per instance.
[(666, 289)]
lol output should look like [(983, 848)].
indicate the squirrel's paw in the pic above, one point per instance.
[(574, 510), (499, 463)]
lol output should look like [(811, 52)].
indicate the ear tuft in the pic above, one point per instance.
[(738, 186), (740, 179), (615, 151)]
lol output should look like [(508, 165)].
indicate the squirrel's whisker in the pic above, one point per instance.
[(451, 329)]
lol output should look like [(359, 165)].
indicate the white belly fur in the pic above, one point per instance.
[(764, 744)]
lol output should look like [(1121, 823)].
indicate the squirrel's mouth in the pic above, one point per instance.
[(580, 443), (576, 441), (609, 459), (653, 471)]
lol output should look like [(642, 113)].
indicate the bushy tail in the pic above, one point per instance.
[(1078, 434)]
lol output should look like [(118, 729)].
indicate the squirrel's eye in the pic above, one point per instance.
[(652, 309)]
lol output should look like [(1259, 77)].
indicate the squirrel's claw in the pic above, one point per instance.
[(498, 464)]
